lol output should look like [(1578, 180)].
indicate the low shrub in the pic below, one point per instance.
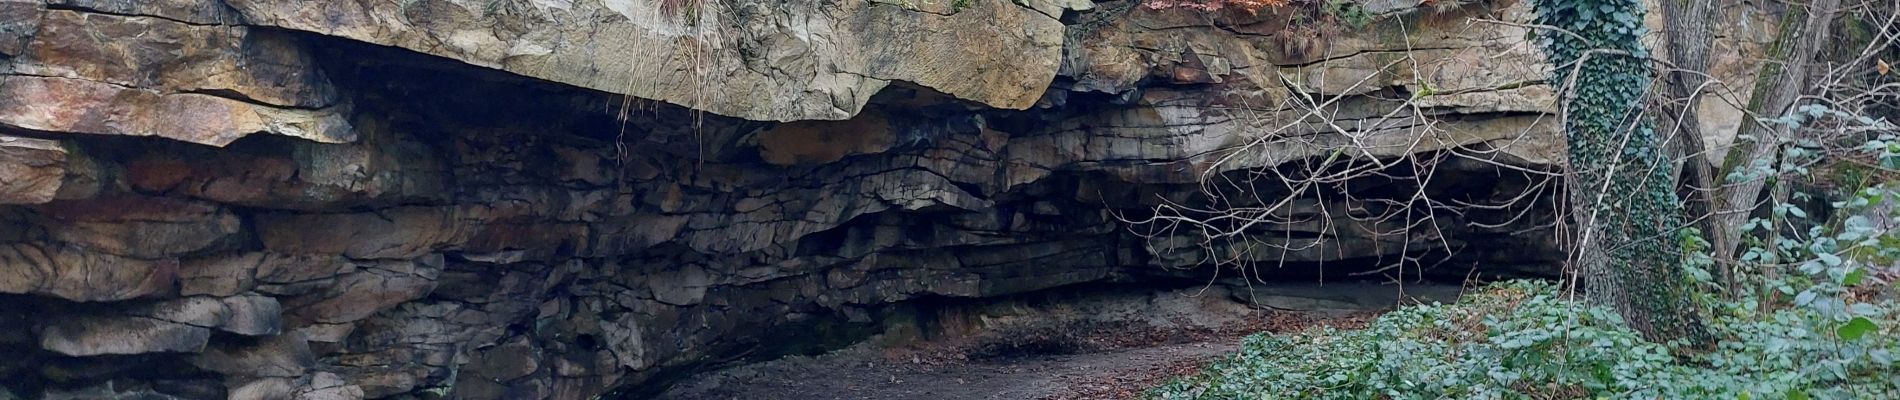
[(1806, 313), (1525, 340)]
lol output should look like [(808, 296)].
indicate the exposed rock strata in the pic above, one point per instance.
[(251, 199), (31, 170), (784, 61)]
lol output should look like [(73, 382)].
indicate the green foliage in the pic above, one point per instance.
[(1348, 13), (1820, 327), (1618, 160), (1525, 340)]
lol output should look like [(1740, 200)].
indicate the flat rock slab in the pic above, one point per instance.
[(755, 60), (30, 170)]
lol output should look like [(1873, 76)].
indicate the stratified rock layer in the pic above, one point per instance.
[(522, 199), (756, 60)]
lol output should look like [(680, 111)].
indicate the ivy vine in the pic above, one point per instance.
[(1618, 162)]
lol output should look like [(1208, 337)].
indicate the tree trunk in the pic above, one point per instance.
[(1686, 36), (1778, 87), (1621, 182)]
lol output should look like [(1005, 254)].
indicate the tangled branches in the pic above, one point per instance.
[(1319, 172)]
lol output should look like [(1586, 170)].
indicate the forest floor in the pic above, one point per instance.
[(1072, 361)]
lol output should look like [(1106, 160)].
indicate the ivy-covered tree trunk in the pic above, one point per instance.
[(1621, 178)]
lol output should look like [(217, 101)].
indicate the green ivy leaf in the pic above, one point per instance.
[(1855, 329), (1854, 277)]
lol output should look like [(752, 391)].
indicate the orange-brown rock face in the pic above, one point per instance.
[(30, 170), (552, 199)]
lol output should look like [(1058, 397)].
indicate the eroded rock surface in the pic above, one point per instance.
[(512, 199), (756, 60), (31, 170)]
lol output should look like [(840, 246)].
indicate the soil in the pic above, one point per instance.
[(1060, 362)]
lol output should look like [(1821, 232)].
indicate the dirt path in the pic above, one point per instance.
[(860, 374), (1100, 362)]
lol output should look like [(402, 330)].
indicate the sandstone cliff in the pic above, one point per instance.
[(268, 199)]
